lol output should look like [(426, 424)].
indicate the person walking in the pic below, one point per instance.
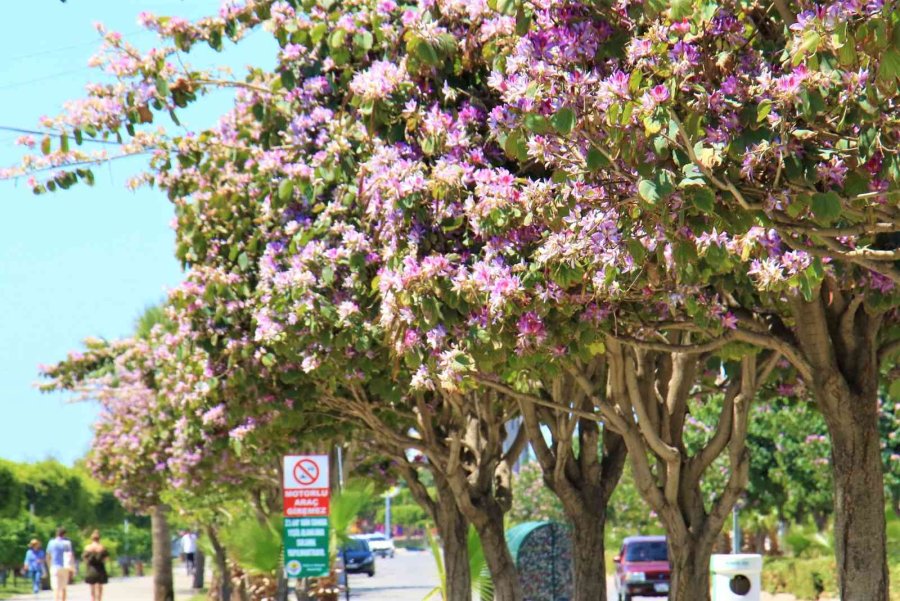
[(61, 560), (95, 556), (189, 550), (34, 564)]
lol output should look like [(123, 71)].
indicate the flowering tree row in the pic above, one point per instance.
[(595, 215)]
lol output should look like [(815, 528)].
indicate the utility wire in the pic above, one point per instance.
[(18, 84), (34, 132), (21, 57)]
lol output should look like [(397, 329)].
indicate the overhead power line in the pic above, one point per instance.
[(34, 132)]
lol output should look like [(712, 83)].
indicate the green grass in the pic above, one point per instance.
[(201, 596), (804, 577), (23, 588)]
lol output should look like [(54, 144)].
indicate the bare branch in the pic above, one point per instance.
[(863, 260), (772, 342), (848, 319), (530, 398), (687, 349), (669, 454), (515, 449), (880, 227)]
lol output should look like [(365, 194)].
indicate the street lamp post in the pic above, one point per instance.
[(388, 495)]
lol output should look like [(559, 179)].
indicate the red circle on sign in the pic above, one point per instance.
[(306, 471)]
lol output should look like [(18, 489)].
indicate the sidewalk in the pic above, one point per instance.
[(121, 589)]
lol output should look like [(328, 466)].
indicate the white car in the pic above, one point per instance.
[(380, 544)]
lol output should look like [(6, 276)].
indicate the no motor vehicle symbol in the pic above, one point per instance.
[(306, 471)]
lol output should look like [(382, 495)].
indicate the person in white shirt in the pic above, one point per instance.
[(61, 560), (189, 550)]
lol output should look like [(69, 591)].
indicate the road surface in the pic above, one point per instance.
[(408, 576)]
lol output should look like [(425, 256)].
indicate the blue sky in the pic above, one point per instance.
[(88, 261)]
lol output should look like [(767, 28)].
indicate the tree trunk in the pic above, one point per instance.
[(690, 571), (499, 560), (588, 561), (454, 530), (859, 523), (221, 564), (839, 340), (199, 569), (163, 589), (452, 526)]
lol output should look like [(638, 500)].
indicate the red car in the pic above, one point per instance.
[(642, 568)]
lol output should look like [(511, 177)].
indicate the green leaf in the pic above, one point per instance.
[(162, 86), (596, 348), (806, 288), (563, 120), (537, 123), (336, 39), (78, 136), (826, 207), (808, 45), (652, 125), (285, 190), (634, 81), (243, 261), (889, 66), (523, 22), (596, 159), (259, 111), (507, 7), (649, 191), (847, 52), (680, 9), (428, 53), (317, 33), (704, 199), (288, 79), (364, 40), (762, 110), (45, 145), (515, 145), (64, 143)]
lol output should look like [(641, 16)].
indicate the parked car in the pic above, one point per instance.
[(358, 557), (380, 544), (642, 568)]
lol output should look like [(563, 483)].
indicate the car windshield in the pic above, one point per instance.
[(376, 537), (355, 544), (647, 551)]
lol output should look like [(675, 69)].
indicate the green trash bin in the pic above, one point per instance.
[(542, 552)]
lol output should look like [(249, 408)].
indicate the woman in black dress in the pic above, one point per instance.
[(95, 556)]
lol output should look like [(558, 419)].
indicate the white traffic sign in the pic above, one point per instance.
[(305, 471)]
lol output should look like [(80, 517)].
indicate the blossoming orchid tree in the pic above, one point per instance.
[(748, 151), (662, 182)]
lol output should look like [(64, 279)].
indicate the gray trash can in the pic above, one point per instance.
[(736, 577)]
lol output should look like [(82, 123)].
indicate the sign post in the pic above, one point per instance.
[(306, 508)]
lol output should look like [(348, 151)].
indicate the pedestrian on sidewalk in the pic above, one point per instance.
[(189, 550), (61, 560), (35, 557), (95, 556)]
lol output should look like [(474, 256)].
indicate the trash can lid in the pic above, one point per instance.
[(740, 563)]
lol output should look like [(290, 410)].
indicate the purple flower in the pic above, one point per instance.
[(659, 93), (531, 326), (833, 171)]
